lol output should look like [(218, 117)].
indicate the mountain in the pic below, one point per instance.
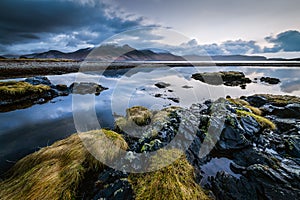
[(107, 53), (111, 52), (76, 55)]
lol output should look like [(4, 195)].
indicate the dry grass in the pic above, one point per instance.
[(245, 104), (53, 172), (264, 122), (175, 181), (14, 88)]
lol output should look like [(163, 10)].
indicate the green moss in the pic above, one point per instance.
[(54, 172), (264, 122), (280, 100), (13, 88), (176, 181)]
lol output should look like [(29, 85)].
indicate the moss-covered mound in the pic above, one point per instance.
[(15, 90), (279, 100), (54, 172), (175, 181)]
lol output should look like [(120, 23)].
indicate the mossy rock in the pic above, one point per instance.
[(140, 115), (13, 90), (54, 172), (176, 181), (279, 100)]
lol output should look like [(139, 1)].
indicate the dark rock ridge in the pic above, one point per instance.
[(263, 146), (39, 90), (230, 78)]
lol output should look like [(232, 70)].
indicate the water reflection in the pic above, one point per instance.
[(23, 131)]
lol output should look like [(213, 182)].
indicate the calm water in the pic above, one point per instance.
[(27, 130)]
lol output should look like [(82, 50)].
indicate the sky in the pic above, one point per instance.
[(227, 27)]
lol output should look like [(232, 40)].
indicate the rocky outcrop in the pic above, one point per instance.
[(230, 78), (39, 90), (270, 80), (260, 146)]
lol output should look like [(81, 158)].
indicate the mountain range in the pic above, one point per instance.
[(127, 53)]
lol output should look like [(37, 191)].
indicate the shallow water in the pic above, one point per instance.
[(27, 130)]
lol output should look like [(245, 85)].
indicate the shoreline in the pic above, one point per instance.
[(25, 68)]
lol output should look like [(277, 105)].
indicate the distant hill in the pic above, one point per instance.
[(108, 53), (225, 58), (112, 52)]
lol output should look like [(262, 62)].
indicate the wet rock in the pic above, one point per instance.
[(293, 146), (162, 85), (39, 80), (270, 80), (86, 88), (256, 100), (225, 186), (230, 78), (174, 99), (289, 111)]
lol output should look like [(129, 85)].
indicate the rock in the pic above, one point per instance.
[(230, 78), (157, 95), (174, 99), (270, 80), (86, 88), (62, 87), (293, 146), (162, 85), (289, 111), (256, 100), (187, 86), (39, 80), (225, 186)]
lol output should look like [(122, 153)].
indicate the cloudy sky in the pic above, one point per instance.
[(265, 27)]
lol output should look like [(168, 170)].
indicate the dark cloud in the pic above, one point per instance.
[(285, 41), (78, 21)]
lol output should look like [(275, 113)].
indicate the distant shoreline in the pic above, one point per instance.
[(14, 68)]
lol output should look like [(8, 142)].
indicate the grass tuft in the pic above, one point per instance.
[(54, 172), (264, 122), (175, 181)]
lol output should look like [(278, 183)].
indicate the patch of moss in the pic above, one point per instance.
[(280, 100), (264, 122), (12, 89), (176, 181), (140, 115), (54, 172)]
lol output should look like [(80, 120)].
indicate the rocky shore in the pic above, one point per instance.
[(259, 136), (38, 90)]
